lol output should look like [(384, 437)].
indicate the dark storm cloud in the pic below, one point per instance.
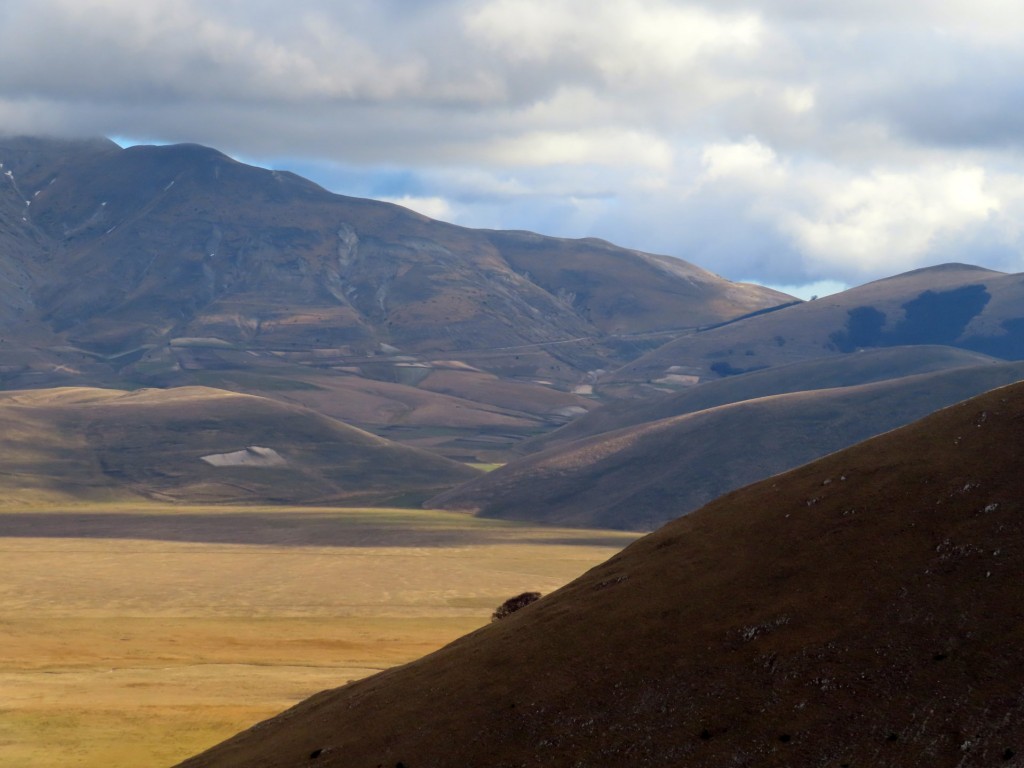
[(780, 140)]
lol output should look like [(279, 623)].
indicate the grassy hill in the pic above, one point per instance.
[(198, 444), (953, 304), (642, 476), (867, 366)]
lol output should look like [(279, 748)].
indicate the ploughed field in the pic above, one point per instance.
[(142, 634)]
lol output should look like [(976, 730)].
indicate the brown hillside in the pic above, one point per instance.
[(146, 245), (201, 445), (863, 610), (819, 373), (176, 265), (640, 477), (953, 304), (454, 409)]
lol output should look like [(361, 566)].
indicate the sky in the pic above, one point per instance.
[(803, 144)]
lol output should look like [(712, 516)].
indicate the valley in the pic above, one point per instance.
[(139, 634)]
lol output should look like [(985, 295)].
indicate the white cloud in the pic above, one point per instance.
[(625, 41), (181, 49), (797, 99), (816, 290), (434, 207), (779, 140), (609, 148), (890, 220), (749, 161)]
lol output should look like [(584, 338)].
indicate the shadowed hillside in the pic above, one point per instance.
[(863, 610), (201, 445), (953, 304), (819, 373), (641, 477)]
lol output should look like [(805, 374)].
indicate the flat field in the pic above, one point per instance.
[(137, 635)]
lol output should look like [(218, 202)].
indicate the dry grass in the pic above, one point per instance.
[(140, 652)]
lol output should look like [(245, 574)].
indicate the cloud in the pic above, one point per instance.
[(627, 43), (887, 219), (185, 51), (433, 207), (599, 146), (779, 140)]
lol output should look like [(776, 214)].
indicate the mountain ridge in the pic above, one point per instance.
[(953, 304)]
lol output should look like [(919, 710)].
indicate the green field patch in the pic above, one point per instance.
[(486, 467)]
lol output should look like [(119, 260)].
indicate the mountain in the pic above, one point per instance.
[(175, 265), (866, 366), (640, 477), (145, 245), (200, 445), (953, 304), (864, 609)]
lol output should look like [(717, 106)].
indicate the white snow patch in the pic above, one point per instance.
[(253, 456), (570, 411)]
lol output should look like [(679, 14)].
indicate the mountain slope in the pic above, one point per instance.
[(177, 265), (149, 244), (818, 373), (953, 304), (641, 477), (201, 445), (865, 609)]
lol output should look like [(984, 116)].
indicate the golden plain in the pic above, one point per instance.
[(137, 635)]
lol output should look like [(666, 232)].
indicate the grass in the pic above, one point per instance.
[(486, 467), (144, 648)]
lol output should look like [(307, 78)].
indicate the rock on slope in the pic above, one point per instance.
[(863, 610)]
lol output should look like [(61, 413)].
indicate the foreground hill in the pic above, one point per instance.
[(953, 304), (641, 477), (200, 445), (863, 610)]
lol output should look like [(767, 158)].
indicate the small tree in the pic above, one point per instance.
[(513, 604)]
